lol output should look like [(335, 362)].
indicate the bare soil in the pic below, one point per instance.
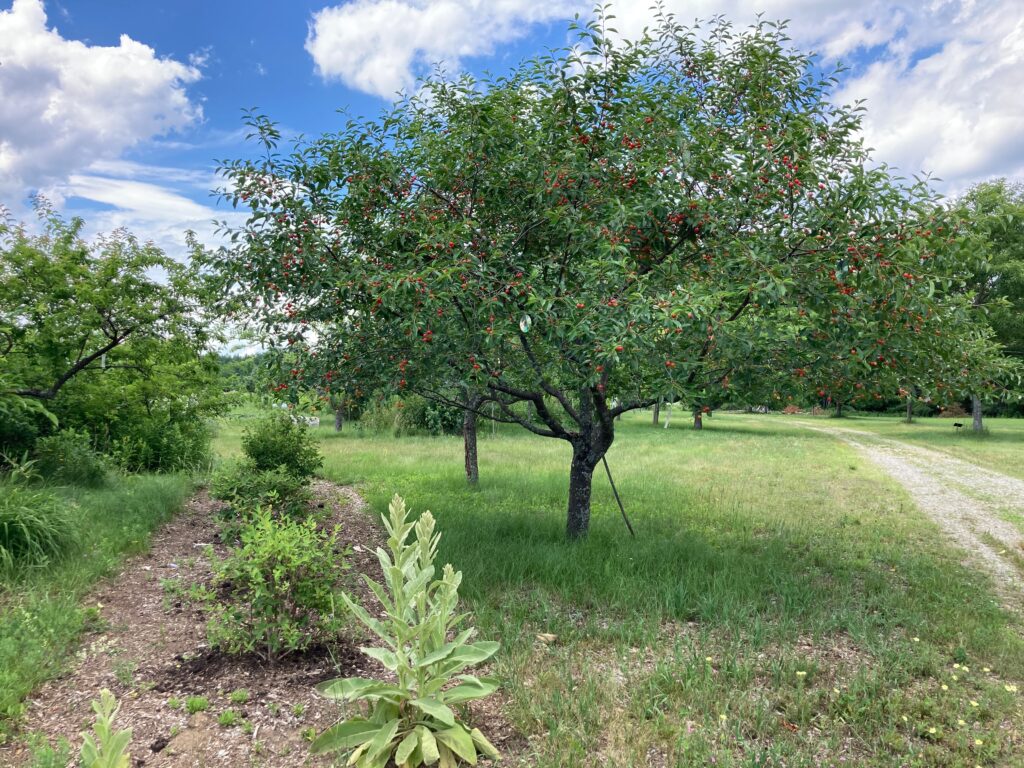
[(153, 650)]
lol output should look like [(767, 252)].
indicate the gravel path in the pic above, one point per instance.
[(963, 498)]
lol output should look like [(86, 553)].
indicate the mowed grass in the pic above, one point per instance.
[(41, 611), (1000, 447), (782, 604)]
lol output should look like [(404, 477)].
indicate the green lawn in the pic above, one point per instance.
[(1000, 447), (41, 615), (783, 602)]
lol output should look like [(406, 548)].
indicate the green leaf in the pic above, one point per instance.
[(458, 740), (344, 735), (350, 688), (484, 745), (384, 656), (406, 747), (381, 742), (428, 745), (435, 709), (470, 688)]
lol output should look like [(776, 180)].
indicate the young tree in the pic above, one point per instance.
[(602, 227)]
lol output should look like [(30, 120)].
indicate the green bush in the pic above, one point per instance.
[(411, 415), (243, 485), (278, 588), (247, 489), (68, 458), (412, 721), (35, 527), (276, 440), (167, 440)]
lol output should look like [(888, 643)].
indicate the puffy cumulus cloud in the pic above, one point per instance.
[(940, 77), (379, 46), (67, 104)]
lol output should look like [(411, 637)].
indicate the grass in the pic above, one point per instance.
[(999, 448), (783, 602), (41, 614)]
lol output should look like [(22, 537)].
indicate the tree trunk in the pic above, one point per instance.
[(698, 420), (839, 410), (657, 413), (581, 476), (976, 415), (910, 409), (469, 441), (339, 418)]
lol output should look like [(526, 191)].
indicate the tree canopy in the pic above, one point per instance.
[(687, 215)]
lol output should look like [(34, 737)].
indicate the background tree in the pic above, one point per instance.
[(993, 217), (105, 336), (602, 227)]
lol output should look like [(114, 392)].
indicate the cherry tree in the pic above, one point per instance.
[(684, 215)]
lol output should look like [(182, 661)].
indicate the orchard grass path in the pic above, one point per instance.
[(979, 509), (785, 602)]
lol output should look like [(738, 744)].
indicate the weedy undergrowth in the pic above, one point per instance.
[(412, 721)]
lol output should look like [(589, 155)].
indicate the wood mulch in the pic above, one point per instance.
[(153, 650)]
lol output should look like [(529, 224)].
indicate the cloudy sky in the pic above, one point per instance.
[(120, 110)]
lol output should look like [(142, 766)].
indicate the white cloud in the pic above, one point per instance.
[(153, 212), (379, 46), (67, 105), (943, 91)]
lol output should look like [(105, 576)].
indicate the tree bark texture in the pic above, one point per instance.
[(339, 419), (698, 420), (469, 441), (657, 413), (976, 415)]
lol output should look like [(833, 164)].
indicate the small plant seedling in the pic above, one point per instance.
[(105, 747), (196, 704), (247, 727), (228, 718), (124, 672), (273, 708), (309, 733), (240, 696), (174, 703), (299, 710)]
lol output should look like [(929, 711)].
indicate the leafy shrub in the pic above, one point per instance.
[(278, 588), (167, 440), (411, 415), (105, 747), (247, 489), (35, 527), (68, 457), (278, 441), (411, 721), (242, 485)]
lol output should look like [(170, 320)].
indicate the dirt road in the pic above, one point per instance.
[(964, 499)]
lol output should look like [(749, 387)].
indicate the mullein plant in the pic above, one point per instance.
[(413, 720), (105, 747)]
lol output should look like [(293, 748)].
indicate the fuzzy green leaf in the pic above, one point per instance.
[(344, 735)]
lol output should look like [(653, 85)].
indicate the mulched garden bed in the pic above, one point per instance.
[(153, 650)]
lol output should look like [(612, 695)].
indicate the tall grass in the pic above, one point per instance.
[(41, 615), (35, 528)]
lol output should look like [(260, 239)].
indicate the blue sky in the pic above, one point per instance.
[(119, 110)]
